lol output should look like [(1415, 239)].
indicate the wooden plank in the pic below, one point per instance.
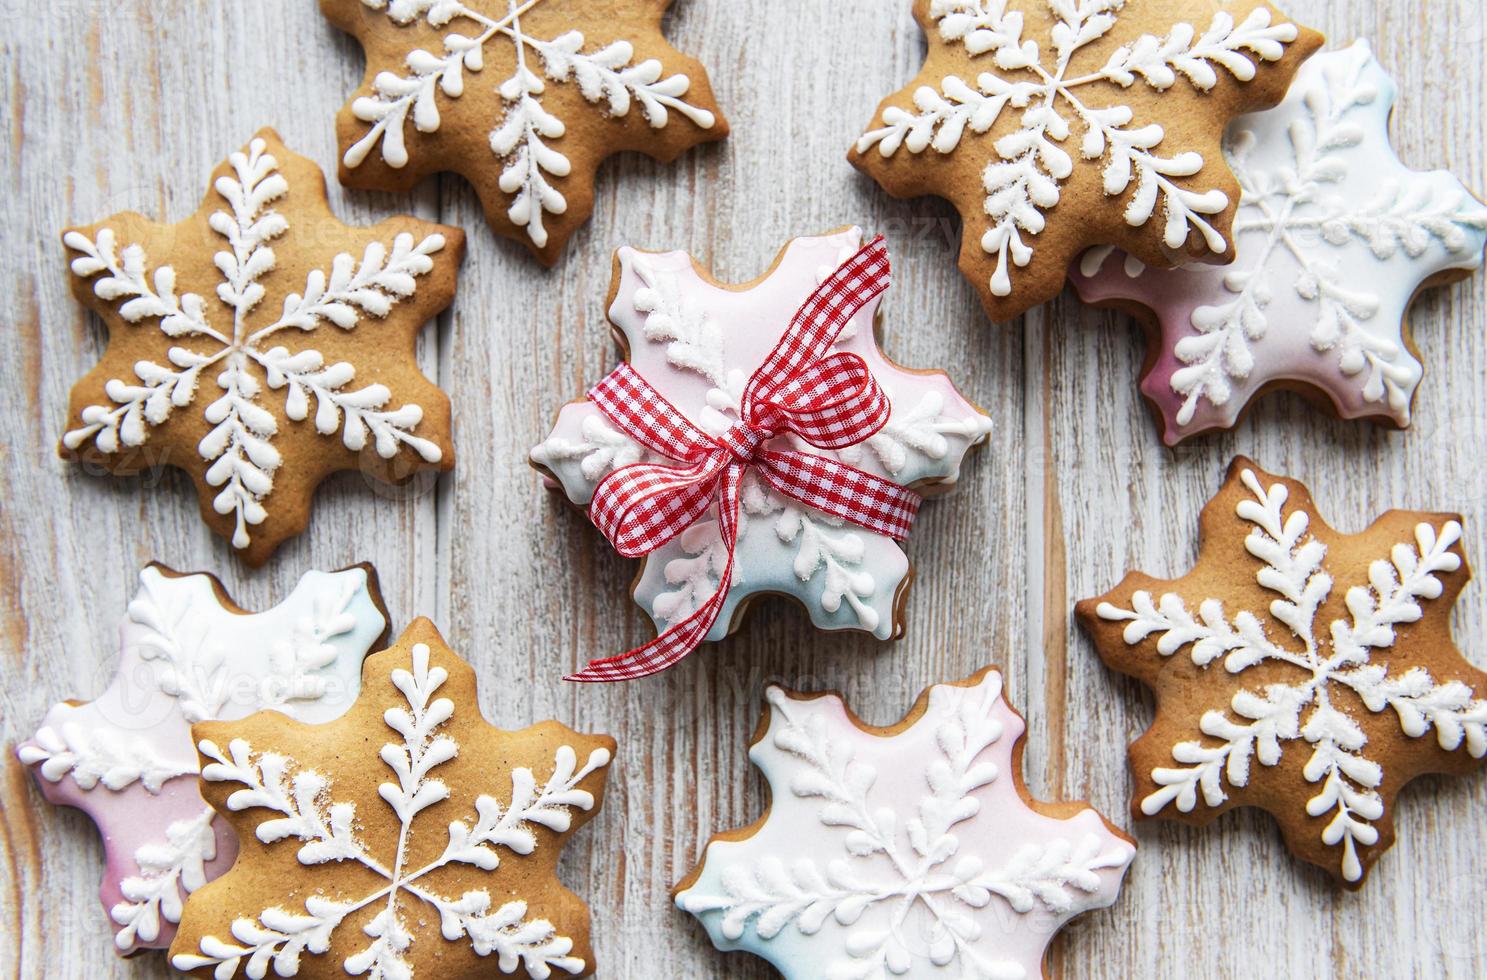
[(105, 115)]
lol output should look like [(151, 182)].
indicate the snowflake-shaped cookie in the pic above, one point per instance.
[(292, 362), (912, 851), (1052, 125), (1335, 236), (1299, 670), (697, 342), (187, 654), (524, 98), (407, 839)]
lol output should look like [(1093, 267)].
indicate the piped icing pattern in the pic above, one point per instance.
[(1315, 690), (127, 760), (910, 853), (568, 77), (407, 839), (285, 357), (697, 342), (1334, 238), (1106, 105)]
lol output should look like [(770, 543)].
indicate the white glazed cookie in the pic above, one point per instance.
[(1335, 237), (912, 851), (697, 341), (186, 654)]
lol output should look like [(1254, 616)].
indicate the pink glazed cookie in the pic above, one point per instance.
[(913, 850), (187, 654), (1335, 237), (697, 342)]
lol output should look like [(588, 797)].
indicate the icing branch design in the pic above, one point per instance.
[(922, 429), (893, 885), (697, 575), (608, 77), (298, 805), (840, 554), (239, 444), (299, 661), (694, 341), (107, 759), (168, 869), (1333, 664), (698, 343), (599, 452), (1033, 160), (1334, 236)]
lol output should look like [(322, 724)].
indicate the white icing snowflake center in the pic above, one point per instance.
[(897, 889), (328, 834)]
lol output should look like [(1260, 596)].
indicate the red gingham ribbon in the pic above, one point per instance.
[(831, 402)]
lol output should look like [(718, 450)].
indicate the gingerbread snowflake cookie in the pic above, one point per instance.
[(524, 98), (261, 346), (911, 851), (1053, 125), (1335, 236), (758, 442), (1299, 670), (407, 839), (187, 654)]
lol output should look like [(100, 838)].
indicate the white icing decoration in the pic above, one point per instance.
[(303, 808), (1024, 182), (169, 869), (921, 429), (695, 576), (240, 442), (601, 451), (694, 342), (908, 855), (108, 759), (816, 548), (1263, 721), (606, 77), (1333, 125)]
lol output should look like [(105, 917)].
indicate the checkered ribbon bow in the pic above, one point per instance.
[(831, 402)]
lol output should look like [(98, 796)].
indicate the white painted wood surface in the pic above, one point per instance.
[(128, 105)]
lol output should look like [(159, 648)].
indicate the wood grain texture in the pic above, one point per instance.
[(129, 105)]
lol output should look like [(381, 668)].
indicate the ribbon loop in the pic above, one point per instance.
[(833, 404), (831, 401)]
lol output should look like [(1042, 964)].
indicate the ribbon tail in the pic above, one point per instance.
[(665, 651), (680, 640)]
